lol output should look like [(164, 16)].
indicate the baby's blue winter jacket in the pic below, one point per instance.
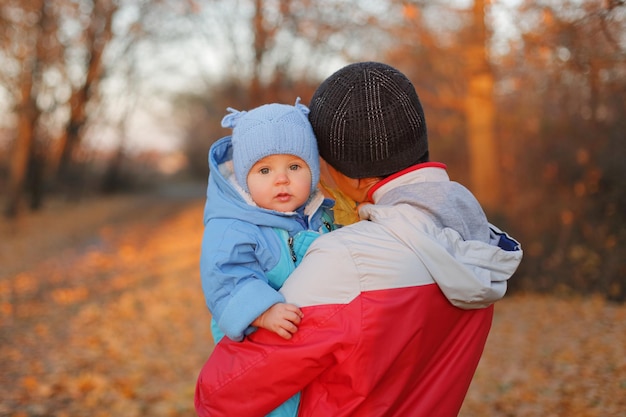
[(248, 251)]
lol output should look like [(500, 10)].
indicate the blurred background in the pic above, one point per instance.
[(108, 109), (525, 102)]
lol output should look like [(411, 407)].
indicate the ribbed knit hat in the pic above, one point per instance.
[(271, 129), (369, 121)]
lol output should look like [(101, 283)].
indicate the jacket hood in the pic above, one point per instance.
[(472, 274), (227, 199), (469, 258)]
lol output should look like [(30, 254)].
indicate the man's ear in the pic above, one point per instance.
[(365, 184)]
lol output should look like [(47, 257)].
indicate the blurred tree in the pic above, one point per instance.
[(550, 95), (565, 112), (28, 38), (424, 52), (38, 40), (445, 51), (480, 113), (56, 57), (553, 98), (270, 51), (95, 38)]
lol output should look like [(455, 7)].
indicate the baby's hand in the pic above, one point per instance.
[(281, 318)]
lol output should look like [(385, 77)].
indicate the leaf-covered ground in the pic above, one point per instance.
[(101, 314)]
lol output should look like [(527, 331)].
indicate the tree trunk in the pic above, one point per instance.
[(98, 36), (480, 112), (27, 117), (259, 45)]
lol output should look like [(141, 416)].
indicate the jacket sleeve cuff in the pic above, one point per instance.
[(245, 306)]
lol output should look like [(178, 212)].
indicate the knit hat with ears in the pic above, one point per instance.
[(369, 121), (268, 130)]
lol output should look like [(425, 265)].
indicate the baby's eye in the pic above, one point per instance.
[(294, 167), (264, 171)]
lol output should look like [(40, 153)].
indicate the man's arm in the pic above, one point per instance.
[(253, 377)]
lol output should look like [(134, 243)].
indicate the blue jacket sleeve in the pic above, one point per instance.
[(232, 269)]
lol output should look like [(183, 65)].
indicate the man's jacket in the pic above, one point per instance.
[(397, 309)]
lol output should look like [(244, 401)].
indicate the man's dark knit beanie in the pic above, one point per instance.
[(369, 121)]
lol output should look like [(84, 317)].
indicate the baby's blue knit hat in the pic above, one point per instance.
[(272, 129)]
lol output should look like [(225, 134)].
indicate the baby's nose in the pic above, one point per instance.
[(282, 178)]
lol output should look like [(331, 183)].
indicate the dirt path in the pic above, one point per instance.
[(101, 314)]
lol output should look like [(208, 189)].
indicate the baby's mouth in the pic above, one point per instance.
[(283, 196)]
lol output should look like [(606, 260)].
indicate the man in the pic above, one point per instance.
[(397, 307)]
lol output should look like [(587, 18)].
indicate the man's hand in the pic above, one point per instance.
[(282, 319)]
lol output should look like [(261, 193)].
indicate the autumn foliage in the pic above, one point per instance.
[(102, 314), (101, 311)]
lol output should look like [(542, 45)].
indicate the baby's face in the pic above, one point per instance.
[(280, 182)]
